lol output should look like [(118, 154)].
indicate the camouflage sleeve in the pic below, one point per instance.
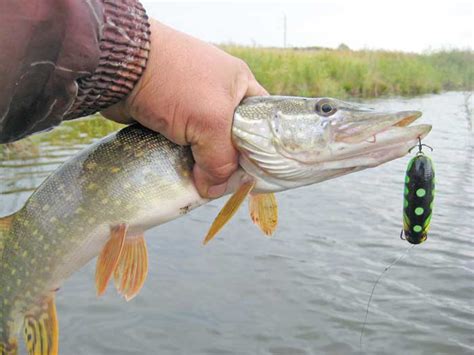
[(62, 59)]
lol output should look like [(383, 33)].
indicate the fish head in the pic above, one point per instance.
[(287, 142)]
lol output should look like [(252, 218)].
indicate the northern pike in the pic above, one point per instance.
[(101, 201)]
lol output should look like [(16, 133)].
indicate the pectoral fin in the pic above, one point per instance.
[(5, 225), (41, 329), (109, 257), (132, 269), (5, 222), (229, 210), (264, 212)]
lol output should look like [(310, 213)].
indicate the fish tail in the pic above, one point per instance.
[(41, 331), (9, 347)]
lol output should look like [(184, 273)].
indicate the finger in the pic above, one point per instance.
[(204, 184), (255, 89), (117, 113), (212, 170), (216, 160)]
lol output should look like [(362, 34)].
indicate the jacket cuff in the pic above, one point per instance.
[(124, 47)]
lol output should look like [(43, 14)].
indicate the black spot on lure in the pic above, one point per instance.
[(418, 197)]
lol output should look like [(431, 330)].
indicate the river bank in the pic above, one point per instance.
[(363, 74)]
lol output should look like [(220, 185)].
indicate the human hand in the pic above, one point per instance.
[(188, 93)]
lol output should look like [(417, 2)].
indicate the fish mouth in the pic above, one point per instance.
[(382, 138), (368, 125), (401, 129)]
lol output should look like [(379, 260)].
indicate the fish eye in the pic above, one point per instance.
[(325, 108)]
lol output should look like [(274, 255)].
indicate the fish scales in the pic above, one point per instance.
[(124, 178)]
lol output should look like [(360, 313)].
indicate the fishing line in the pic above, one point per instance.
[(396, 260)]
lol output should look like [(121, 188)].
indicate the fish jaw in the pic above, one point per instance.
[(362, 125), (287, 142)]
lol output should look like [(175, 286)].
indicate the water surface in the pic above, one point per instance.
[(305, 290)]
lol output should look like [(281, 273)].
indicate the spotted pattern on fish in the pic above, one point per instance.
[(113, 181)]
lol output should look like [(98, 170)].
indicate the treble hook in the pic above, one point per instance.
[(420, 147)]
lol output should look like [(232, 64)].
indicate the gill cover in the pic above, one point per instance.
[(282, 139), (301, 137)]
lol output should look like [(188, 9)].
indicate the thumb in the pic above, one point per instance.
[(118, 113), (255, 89)]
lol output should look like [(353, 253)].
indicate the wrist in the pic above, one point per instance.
[(160, 43), (165, 78), (124, 50)]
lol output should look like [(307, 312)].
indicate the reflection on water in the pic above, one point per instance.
[(303, 291), (25, 164), (468, 109)]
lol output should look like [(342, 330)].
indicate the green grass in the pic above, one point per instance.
[(344, 73)]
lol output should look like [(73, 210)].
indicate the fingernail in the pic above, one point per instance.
[(217, 190)]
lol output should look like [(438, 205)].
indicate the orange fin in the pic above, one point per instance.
[(264, 212), (41, 330), (5, 225), (132, 269), (9, 348), (109, 257), (229, 210), (5, 222)]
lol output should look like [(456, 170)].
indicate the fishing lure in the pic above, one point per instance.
[(418, 196), (417, 209)]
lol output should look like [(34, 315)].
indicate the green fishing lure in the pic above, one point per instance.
[(418, 197), (417, 208)]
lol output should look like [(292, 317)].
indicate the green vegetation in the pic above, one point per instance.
[(344, 73)]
